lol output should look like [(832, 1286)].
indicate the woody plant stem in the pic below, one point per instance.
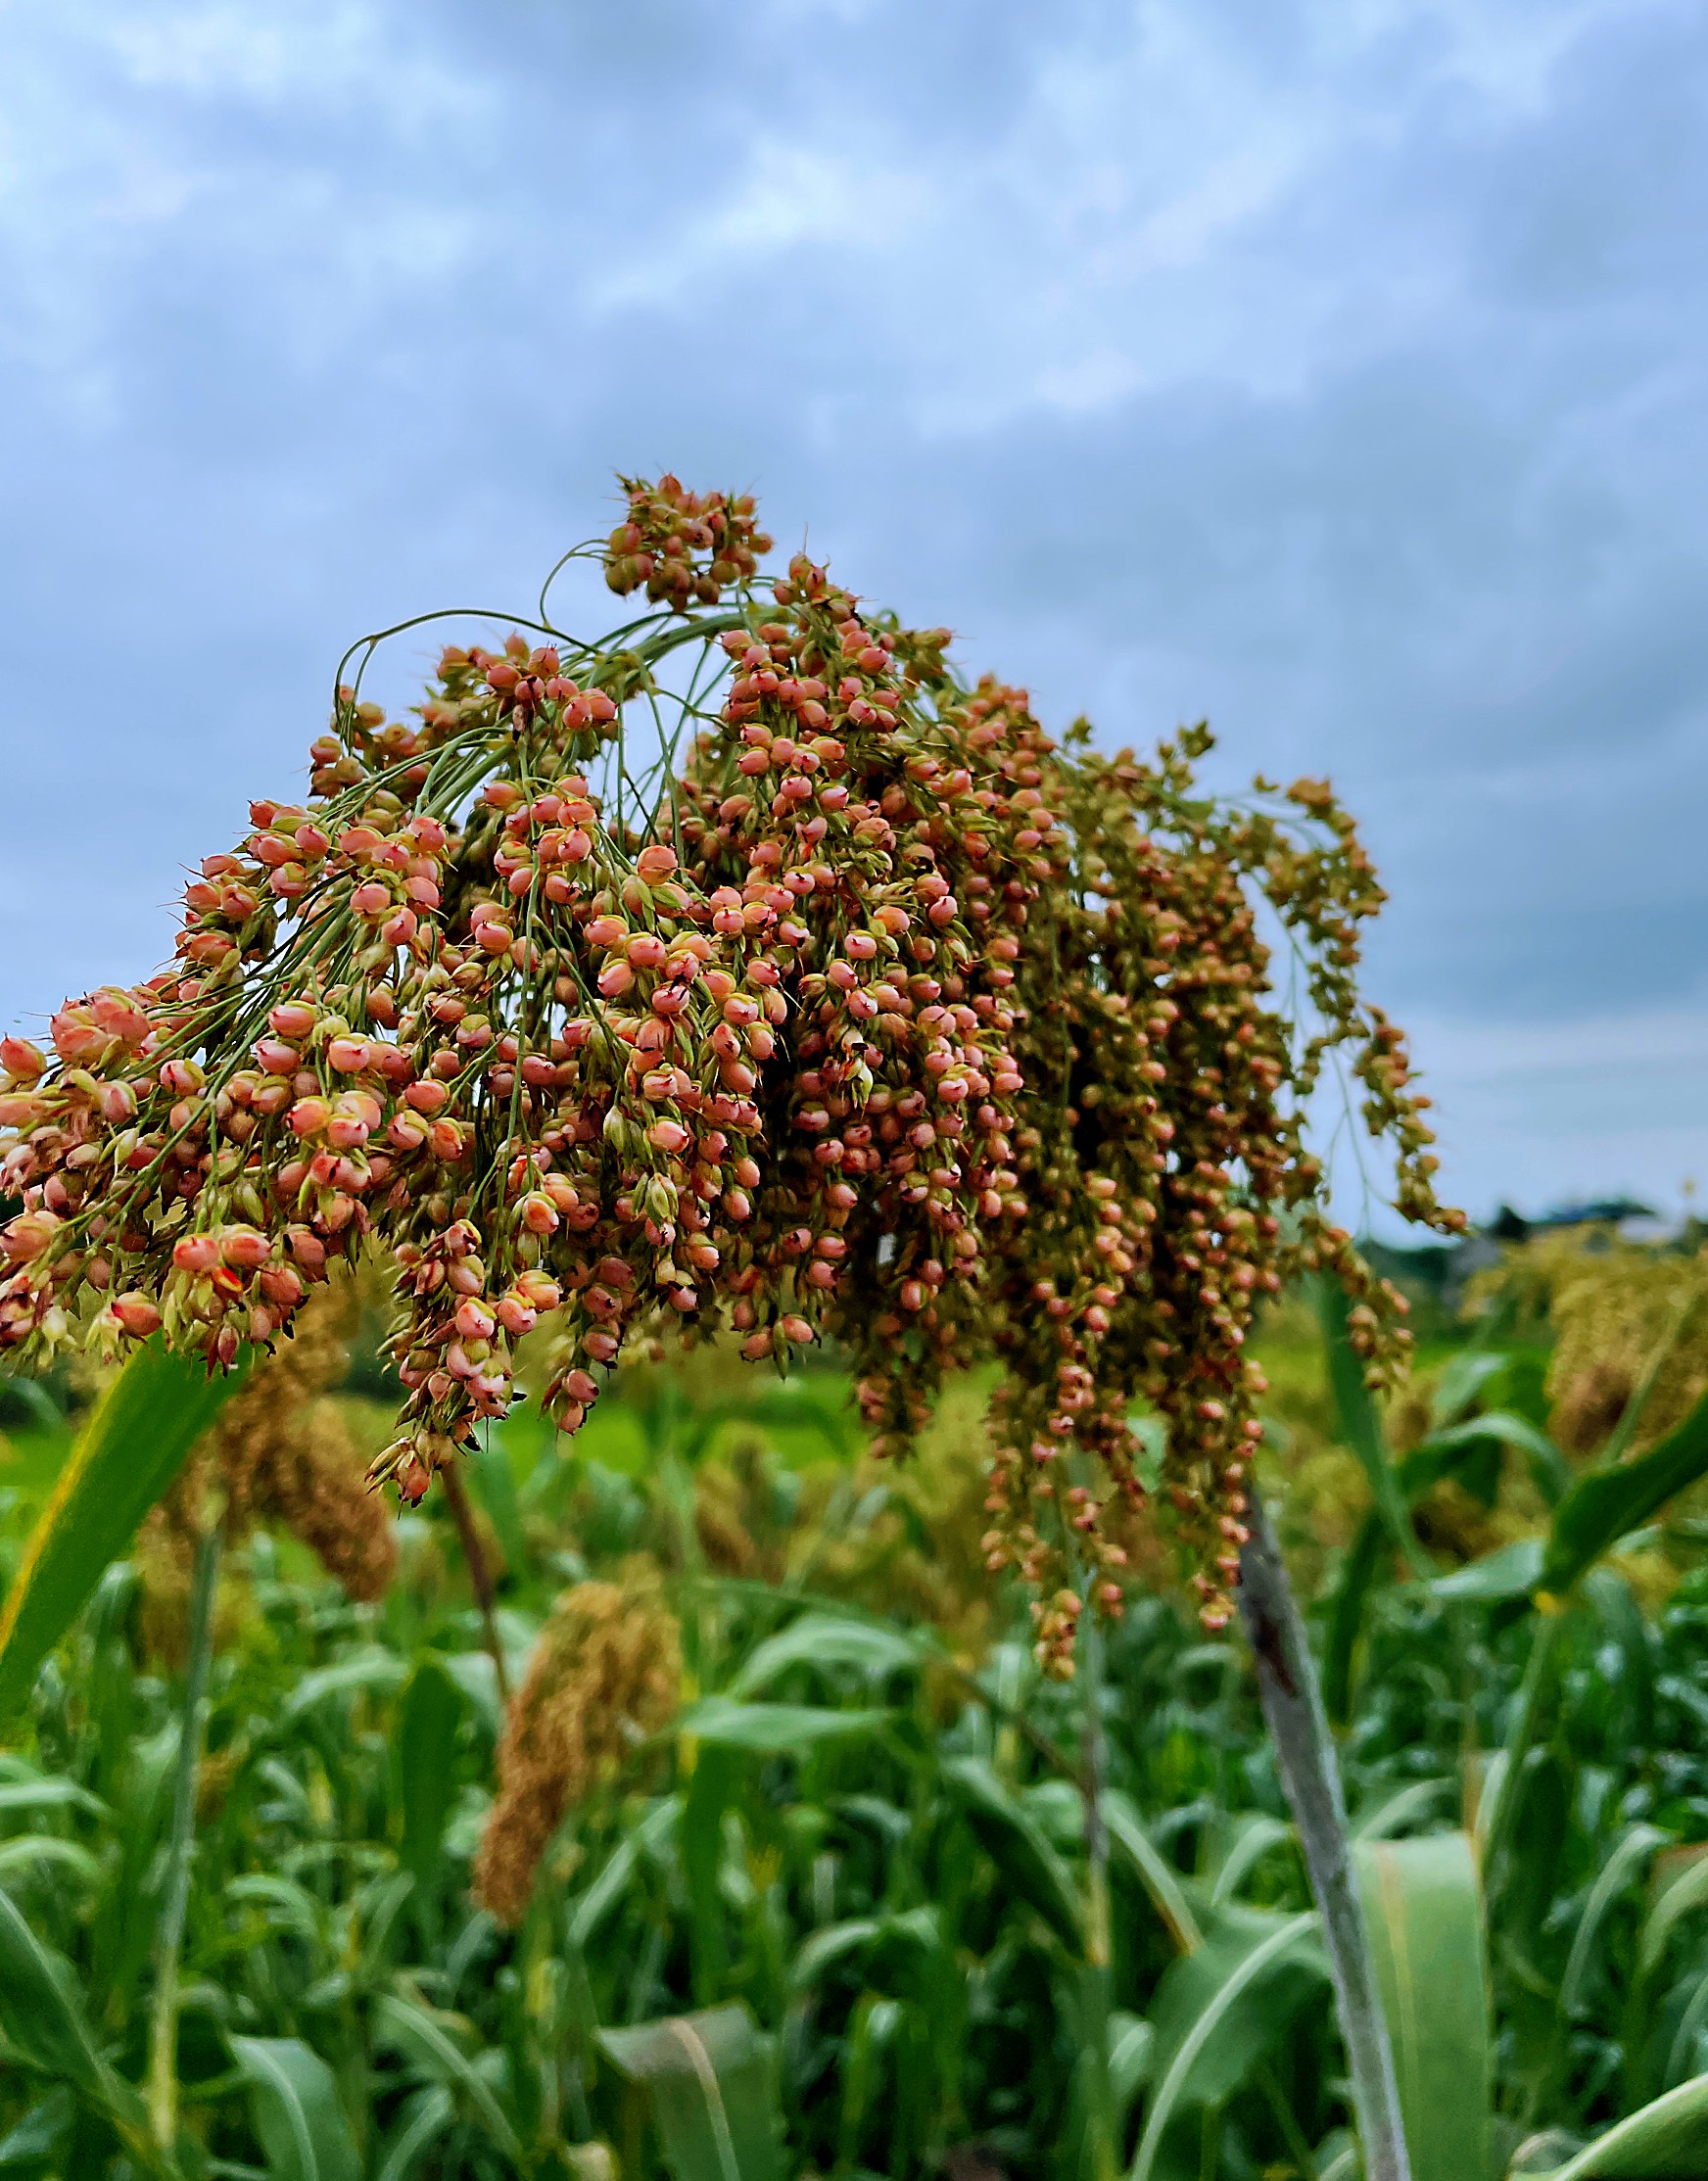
[(1304, 1750)]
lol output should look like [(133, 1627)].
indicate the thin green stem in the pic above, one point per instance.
[(1100, 2101), (480, 1575), (162, 2037)]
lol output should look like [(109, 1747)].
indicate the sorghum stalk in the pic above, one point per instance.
[(163, 2028), (480, 1577), (1304, 1750)]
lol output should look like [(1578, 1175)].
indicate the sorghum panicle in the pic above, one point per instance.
[(876, 1013), (605, 1673)]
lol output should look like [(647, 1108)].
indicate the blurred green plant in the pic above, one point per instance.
[(841, 1912)]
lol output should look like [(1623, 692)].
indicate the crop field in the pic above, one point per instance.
[(696, 1481), (782, 1772)]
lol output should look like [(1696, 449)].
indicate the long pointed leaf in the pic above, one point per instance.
[(1160, 1880), (773, 1730), (1359, 1573), (1665, 2141), (38, 2142), (412, 2029), (826, 1640), (427, 1722), (1425, 1914), (122, 1461), (1610, 1504), (1017, 1844), (1681, 1895), (1626, 1857), (42, 2018), (430, 2119), (1226, 1980)]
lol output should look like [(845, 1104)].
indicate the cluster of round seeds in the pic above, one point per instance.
[(684, 547), (887, 1017)]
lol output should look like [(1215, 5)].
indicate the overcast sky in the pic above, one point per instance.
[(1337, 371)]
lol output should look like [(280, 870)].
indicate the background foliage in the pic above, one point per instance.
[(833, 1901)]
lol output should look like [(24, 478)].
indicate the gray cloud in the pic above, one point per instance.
[(1339, 378)]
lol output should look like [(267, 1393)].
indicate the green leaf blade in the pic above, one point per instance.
[(123, 1460), (775, 1729), (1610, 1504), (294, 2101), (1663, 2140), (428, 1719), (1423, 1906), (712, 2090)]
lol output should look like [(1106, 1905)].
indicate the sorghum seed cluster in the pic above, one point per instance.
[(882, 1015)]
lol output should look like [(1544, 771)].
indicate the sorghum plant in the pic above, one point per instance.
[(281, 1452), (606, 1673), (857, 1006)]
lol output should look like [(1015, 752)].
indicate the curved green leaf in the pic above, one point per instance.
[(1258, 1833), (1424, 1910), (433, 2113), (1200, 1993), (1438, 1456), (1551, 1471), (1665, 2141), (39, 2143), (1610, 1504), (372, 1669), (1405, 1807), (47, 1793), (821, 1951), (712, 2090), (122, 1461), (42, 2018), (1461, 1382), (294, 2101), (1152, 1869), (1681, 1895), (826, 1640), (647, 1838), (1628, 1855), (1508, 1571), (32, 1854), (773, 1730), (414, 2030)]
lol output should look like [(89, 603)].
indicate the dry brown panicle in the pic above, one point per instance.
[(605, 1672), (282, 1453), (1619, 1315), (722, 1525), (1586, 1409), (1617, 1311)]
